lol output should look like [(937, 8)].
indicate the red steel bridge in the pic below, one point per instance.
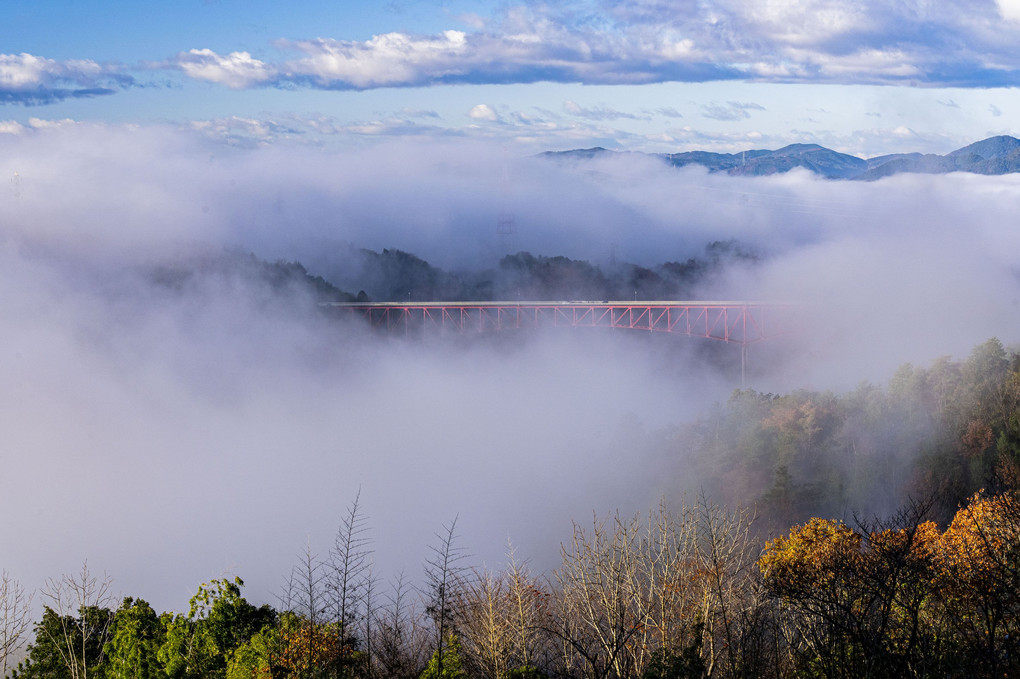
[(741, 323)]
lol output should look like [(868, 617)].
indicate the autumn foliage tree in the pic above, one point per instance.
[(977, 575), (903, 600), (311, 651)]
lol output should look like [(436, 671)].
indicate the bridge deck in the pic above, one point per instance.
[(729, 321)]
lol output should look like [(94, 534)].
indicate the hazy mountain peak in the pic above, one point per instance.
[(791, 149), (995, 155), (993, 147)]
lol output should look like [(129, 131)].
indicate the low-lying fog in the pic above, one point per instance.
[(173, 435)]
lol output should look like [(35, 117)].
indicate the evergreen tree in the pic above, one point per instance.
[(446, 664)]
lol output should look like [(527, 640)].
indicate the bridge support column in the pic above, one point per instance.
[(743, 365)]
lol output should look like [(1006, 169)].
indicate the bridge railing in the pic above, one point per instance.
[(738, 322)]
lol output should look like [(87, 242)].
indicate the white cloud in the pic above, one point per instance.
[(1009, 9), (571, 107), (584, 41), (483, 112), (731, 110), (601, 112), (21, 71), (27, 78), (51, 124), (237, 70), (387, 59), (11, 127), (857, 41), (247, 131), (805, 22), (786, 70), (679, 50), (872, 64)]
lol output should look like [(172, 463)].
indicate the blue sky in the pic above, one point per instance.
[(865, 77)]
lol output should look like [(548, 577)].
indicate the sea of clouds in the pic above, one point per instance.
[(173, 434)]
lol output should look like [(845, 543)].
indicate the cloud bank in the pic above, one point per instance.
[(822, 41), (34, 80), (949, 44), (172, 433)]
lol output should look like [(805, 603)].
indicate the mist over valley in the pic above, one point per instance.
[(177, 407)]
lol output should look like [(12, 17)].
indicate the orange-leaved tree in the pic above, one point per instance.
[(857, 599), (977, 577)]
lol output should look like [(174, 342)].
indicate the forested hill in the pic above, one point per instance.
[(995, 155), (939, 433), (394, 275)]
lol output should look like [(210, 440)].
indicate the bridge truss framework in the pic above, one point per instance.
[(740, 323)]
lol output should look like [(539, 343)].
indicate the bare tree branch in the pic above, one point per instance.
[(15, 611), (81, 603)]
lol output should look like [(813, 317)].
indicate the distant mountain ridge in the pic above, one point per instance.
[(995, 155)]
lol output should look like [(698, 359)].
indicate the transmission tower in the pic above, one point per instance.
[(506, 224), (16, 185)]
